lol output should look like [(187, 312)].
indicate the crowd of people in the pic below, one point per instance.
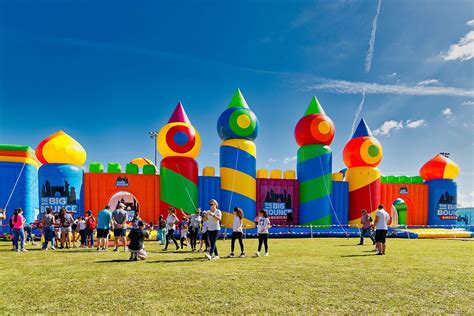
[(61, 230)]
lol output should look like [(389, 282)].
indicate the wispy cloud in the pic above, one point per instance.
[(468, 102), (289, 159), (466, 200), (463, 49), (393, 74), (428, 82), (370, 51), (387, 127), (391, 126), (355, 87), (272, 160), (415, 124), (449, 114)]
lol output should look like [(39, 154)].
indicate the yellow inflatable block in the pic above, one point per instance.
[(262, 173), (208, 172), (276, 174), (289, 174)]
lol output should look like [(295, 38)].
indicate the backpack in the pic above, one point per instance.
[(91, 223)]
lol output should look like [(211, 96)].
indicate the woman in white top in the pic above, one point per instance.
[(171, 222), (237, 232), (263, 225), (214, 216)]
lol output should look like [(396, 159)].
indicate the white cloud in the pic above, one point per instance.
[(468, 102), (463, 50), (289, 159), (387, 127), (466, 200), (428, 82), (470, 23), (393, 74), (447, 112), (415, 124), (356, 87), (272, 160)]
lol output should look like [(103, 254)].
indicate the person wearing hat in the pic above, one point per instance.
[(119, 221), (137, 238), (214, 216)]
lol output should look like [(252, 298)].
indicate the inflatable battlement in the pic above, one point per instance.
[(115, 167), (402, 179)]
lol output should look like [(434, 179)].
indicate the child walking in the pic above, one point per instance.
[(204, 234), (137, 239), (237, 232), (263, 225), (184, 235)]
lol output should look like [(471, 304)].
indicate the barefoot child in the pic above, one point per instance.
[(136, 246), (263, 225)]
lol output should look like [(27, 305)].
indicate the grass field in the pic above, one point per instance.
[(299, 276)]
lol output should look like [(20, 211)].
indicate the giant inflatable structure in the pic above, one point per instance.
[(313, 196)]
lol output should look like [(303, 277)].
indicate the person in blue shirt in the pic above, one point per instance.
[(104, 225)]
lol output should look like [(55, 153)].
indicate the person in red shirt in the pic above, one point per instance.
[(91, 224), (366, 223)]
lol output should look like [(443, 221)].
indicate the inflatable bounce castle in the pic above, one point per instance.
[(313, 196)]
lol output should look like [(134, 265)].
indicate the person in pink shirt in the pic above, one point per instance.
[(366, 223), (18, 222)]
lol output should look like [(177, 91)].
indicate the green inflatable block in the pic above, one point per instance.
[(114, 167), (392, 179), (96, 167), (383, 179), (131, 168), (404, 179), (149, 169), (417, 180)]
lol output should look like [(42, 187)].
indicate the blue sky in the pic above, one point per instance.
[(108, 72)]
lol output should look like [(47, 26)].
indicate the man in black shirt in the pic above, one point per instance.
[(136, 246)]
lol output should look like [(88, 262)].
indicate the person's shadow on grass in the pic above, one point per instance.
[(366, 255), (178, 260)]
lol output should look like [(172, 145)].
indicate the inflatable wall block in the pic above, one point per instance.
[(289, 174), (96, 167), (114, 167), (208, 171), (276, 174), (361, 156), (238, 127), (131, 168), (179, 143), (313, 133), (149, 169), (262, 173)]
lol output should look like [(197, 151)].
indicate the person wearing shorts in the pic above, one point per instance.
[(382, 219), (104, 224), (119, 220)]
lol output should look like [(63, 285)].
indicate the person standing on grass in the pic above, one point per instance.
[(161, 230), (366, 223), (382, 219), (119, 221), (91, 225), (183, 231), (65, 221), (214, 216), (137, 238), (237, 232), (81, 223), (104, 224), (18, 222), (171, 222), (263, 225), (194, 229), (204, 235), (48, 229)]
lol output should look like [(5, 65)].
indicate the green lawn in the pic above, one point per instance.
[(300, 276)]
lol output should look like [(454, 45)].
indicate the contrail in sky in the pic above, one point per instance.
[(359, 109), (370, 51)]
